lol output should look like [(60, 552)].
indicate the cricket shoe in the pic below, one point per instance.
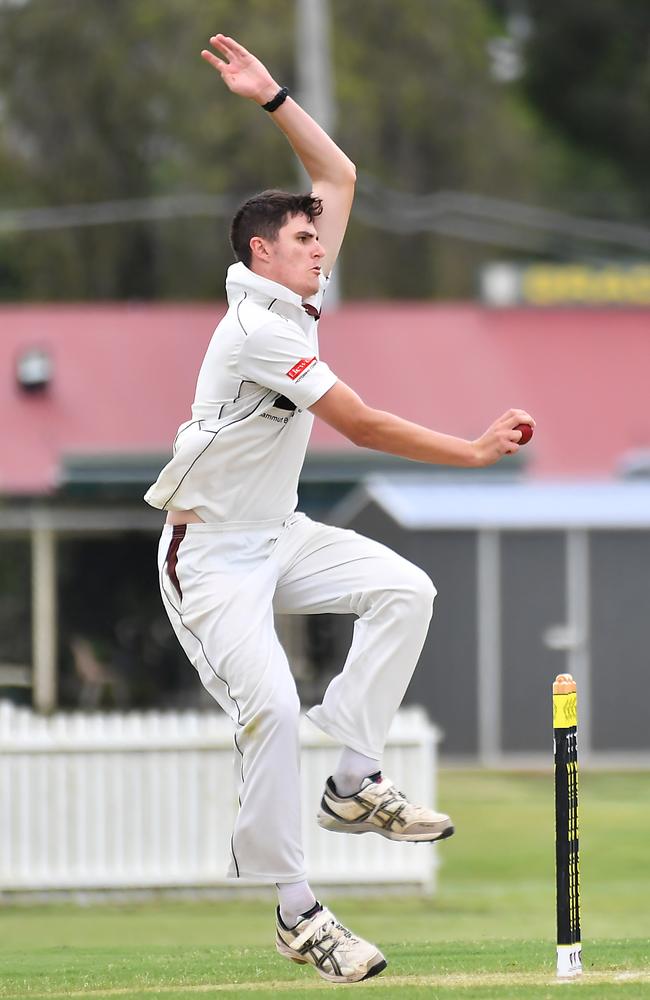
[(318, 939), (378, 807)]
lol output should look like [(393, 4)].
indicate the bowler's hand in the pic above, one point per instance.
[(501, 438), (243, 73)]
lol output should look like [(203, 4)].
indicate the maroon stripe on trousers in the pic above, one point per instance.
[(171, 561)]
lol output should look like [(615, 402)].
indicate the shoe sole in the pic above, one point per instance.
[(328, 822), (286, 952)]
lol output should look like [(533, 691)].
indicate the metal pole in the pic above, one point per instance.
[(488, 568), (315, 85), (44, 618), (578, 601), (313, 61)]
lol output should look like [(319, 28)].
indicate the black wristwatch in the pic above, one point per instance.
[(279, 99)]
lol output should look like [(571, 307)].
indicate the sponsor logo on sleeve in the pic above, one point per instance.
[(301, 368)]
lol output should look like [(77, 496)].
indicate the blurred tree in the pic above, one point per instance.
[(420, 110), (588, 72), (109, 101)]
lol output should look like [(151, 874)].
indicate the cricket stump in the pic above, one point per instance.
[(567, 861)]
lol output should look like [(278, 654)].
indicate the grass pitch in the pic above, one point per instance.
[(487, 933)]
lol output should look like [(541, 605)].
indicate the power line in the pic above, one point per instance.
[(110, 212), (468, 216), (486, 219)]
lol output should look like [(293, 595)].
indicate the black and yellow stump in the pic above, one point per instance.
[(567, 857)]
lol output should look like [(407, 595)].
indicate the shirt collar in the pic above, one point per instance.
[(241, 279)]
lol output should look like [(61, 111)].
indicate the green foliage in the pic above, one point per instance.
[(109, 101), (588, 72), (422, 113)]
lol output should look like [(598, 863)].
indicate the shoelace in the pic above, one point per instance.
[(391, 794), (326, 924), (418, 810), (332, 925), (388, 794)]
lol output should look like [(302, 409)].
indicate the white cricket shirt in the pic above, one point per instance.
[(240, 456)]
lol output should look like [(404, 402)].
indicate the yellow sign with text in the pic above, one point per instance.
[(577, 284)]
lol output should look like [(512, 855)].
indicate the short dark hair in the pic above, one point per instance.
[(264, 215)]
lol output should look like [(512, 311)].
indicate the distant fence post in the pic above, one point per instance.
[(44, 617)]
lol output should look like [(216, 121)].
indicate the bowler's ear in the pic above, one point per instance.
[(259, 249)]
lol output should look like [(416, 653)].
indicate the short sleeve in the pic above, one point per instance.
[(278, 356)]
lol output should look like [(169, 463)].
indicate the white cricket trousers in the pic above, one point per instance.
[(221, 585)]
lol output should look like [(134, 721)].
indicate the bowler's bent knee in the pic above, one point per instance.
[(417, 592), (426, 589)]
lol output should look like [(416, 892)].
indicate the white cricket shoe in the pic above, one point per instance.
[(378, 807), (318, 939)]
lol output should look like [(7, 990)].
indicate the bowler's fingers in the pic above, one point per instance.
[(521, 417), (232, 49), (512, 437), (219, 42), (230, 45), (218, 64)]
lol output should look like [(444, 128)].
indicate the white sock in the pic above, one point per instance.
[(295, 898), (352, 768)]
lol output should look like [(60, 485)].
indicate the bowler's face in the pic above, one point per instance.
[(295, 256)]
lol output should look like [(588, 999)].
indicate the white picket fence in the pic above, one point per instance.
[(147, 800)]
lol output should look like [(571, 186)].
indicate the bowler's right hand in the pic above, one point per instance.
[(501, 438)]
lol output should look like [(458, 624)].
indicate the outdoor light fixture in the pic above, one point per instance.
[(34, 369)]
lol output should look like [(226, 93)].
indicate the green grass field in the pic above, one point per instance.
[(487, 933)]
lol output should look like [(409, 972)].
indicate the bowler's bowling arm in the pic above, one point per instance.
[(345, 411)]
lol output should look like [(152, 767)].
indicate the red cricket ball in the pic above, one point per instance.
[(526, 432)]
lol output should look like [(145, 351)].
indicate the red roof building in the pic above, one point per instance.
[(123, 379)]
